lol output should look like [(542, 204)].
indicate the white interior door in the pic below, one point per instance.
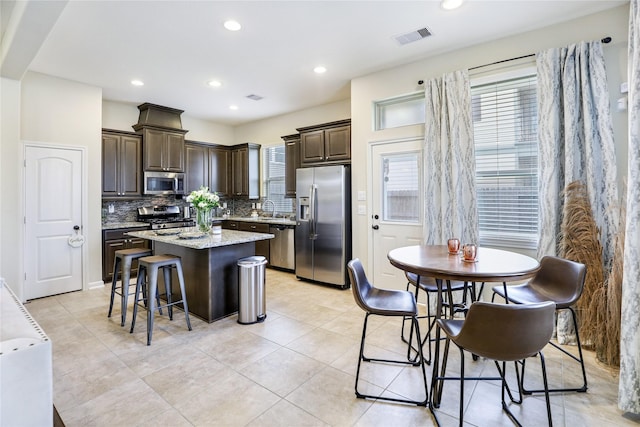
[(53, 207), (397, 200)]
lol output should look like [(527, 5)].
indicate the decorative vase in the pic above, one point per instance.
[(203, 219)]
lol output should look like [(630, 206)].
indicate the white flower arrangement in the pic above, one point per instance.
[(203, 199)]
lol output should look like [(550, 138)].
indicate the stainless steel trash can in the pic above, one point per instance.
[(252, 304)]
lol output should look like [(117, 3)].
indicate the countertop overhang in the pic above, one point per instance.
[(226, 238)]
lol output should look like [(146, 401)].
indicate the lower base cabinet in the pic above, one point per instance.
[(115, 240), (262, 246)]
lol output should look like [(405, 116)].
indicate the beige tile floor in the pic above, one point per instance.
[(295, 369)]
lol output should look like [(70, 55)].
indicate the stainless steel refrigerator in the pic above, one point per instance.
[(323, 232)]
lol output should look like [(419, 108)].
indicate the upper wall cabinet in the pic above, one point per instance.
[(208, 165), (292, 162), (163, 150), (121, 174), (163, 138), (328, 143), (196, 158), (220, 170), (245, 171)]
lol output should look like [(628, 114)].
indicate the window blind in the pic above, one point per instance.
[(506, 145), (274, 169)]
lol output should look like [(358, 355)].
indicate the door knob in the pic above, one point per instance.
[(76, 227), (375, 227)]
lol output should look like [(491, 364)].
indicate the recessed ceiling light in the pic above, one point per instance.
[(214, 83), (320, 69), (233, 107), (232, 25), (137, 82), (450, 4)]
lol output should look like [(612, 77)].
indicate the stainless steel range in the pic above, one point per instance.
[(164, 217)]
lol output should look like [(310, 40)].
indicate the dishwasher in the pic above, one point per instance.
[(281, 250)]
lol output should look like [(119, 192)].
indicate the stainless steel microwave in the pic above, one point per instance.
[(164, 183)]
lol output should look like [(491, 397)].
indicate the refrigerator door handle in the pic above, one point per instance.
[(313, 212)]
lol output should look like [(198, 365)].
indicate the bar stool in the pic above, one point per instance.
[(149, 265), (123, 259)]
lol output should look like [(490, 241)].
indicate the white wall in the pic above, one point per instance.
[(11, 247), (403, 80), (269, 131), (63, 112), (122, 116)]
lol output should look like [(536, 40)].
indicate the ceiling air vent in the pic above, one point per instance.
[(254, 97), (413, 36)]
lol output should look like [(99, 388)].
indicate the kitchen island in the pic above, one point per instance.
[(210, 266)]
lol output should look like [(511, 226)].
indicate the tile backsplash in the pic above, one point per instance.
[(126, 210)]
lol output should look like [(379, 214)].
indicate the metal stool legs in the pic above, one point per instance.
[(419, 361), (149, 267), (122, 262), (579, 359)]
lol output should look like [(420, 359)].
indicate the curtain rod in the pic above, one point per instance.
[(603, 40)]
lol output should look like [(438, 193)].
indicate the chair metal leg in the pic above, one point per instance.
[(124, 286), (140, 287), (461, 409), (166, 271), (114, 280), (579, 359), (505, 386), (546, 390), (183, 293), (152, 288), (419, 362)]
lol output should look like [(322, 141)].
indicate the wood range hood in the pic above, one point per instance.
[(159, 117)]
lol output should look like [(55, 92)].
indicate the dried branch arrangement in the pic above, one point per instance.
[(608, 301), (580, 241), (600, 304)]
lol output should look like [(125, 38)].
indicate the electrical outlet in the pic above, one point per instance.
[(362, 209), (111, 208), (362, 195)]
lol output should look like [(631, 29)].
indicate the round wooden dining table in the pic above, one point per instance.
[(491, 265)]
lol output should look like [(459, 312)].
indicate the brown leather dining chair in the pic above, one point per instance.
[(502, 333), (558, 280), (384, 302)]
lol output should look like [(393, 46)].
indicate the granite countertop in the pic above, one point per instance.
[(262, 219), (130, 224), (227, 238)]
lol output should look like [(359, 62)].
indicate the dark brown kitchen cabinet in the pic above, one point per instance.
[(208, 165), (121, 162), (262, 246), (114, 240), (230, 225), (219, 176), (163, 150), (196, 158), (245, 171), (328, 143), (292, 162)]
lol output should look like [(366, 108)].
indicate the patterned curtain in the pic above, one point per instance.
[(449, 173), (576, 139), (629, 385), (575, 134)]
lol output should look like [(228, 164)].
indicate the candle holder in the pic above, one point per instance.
[(453, 245)]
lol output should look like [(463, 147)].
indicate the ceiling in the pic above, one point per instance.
[(176, 47)]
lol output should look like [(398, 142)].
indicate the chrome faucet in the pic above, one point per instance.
[(273, 205)]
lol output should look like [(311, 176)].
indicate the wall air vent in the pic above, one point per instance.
[(254, 97), (413, 36)]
